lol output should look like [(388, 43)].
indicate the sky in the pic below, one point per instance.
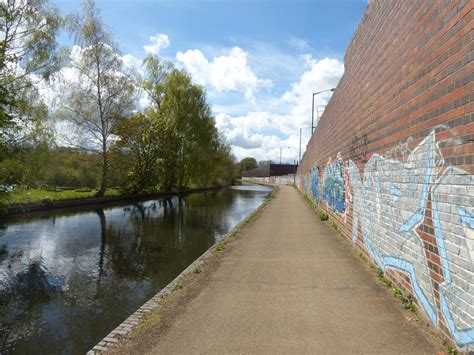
[(259, 61)]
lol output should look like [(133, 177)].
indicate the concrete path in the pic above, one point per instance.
[(290, 285)]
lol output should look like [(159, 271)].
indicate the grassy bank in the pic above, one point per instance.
[(38, 195)]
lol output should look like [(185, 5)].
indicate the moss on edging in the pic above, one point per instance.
[(150, 313)]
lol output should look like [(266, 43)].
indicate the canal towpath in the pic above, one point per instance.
[(287, 284)]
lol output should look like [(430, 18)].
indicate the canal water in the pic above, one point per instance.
[(67, 278)]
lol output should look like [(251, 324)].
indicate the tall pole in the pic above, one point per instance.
[(312, 107)]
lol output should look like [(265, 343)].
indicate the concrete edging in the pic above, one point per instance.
[(129, 324)]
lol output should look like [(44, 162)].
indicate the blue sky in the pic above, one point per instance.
[(259, 60)]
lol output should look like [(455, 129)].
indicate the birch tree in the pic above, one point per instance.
[(102, 95)]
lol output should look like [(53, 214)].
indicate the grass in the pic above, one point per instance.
[(37, 195)]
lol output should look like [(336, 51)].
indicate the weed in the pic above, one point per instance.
[(451, 350), (384, 280), (363, 257), (407, 300), (333, 224), (220, 247), (323, 216), (198, 269)]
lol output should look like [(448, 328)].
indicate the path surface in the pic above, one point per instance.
[(290, 285)]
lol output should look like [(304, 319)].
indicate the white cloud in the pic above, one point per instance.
[(196, 64), (158, 42), (261, 134), (251, 135), (320, 75), (225, 73)]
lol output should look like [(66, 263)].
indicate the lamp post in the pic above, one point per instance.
[(300, 142), (281, 148), (312, 111)]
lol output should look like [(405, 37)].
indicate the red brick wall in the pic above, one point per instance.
[(391, 159)]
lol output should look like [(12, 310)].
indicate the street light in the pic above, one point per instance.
[(281, 148), (312, 111), (300, 142)]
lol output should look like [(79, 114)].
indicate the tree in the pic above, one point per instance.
[(155, 81), (248, 163), (28, 55), (103, 95), (223, 170), (184, 105), (152, 144)]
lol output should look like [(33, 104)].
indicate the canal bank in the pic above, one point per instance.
[(50, 204), (287, 284)]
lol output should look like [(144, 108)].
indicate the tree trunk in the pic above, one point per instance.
[(105, 172)]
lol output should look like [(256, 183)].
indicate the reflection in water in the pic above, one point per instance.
[(68, 278)]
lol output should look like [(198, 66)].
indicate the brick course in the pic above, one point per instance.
[(392, 155)]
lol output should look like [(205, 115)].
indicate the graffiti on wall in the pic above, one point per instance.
[(334, 185), (315, 184), (453, 221), (389, 197), (389, 204)]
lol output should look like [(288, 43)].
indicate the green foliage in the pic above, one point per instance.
[(27, 51), (451, 350), (47, 166), (153, 149), (186, 147), (382, 278), (7, 103), (248, 163), (323, 216), (407, 300), (26, 195)]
